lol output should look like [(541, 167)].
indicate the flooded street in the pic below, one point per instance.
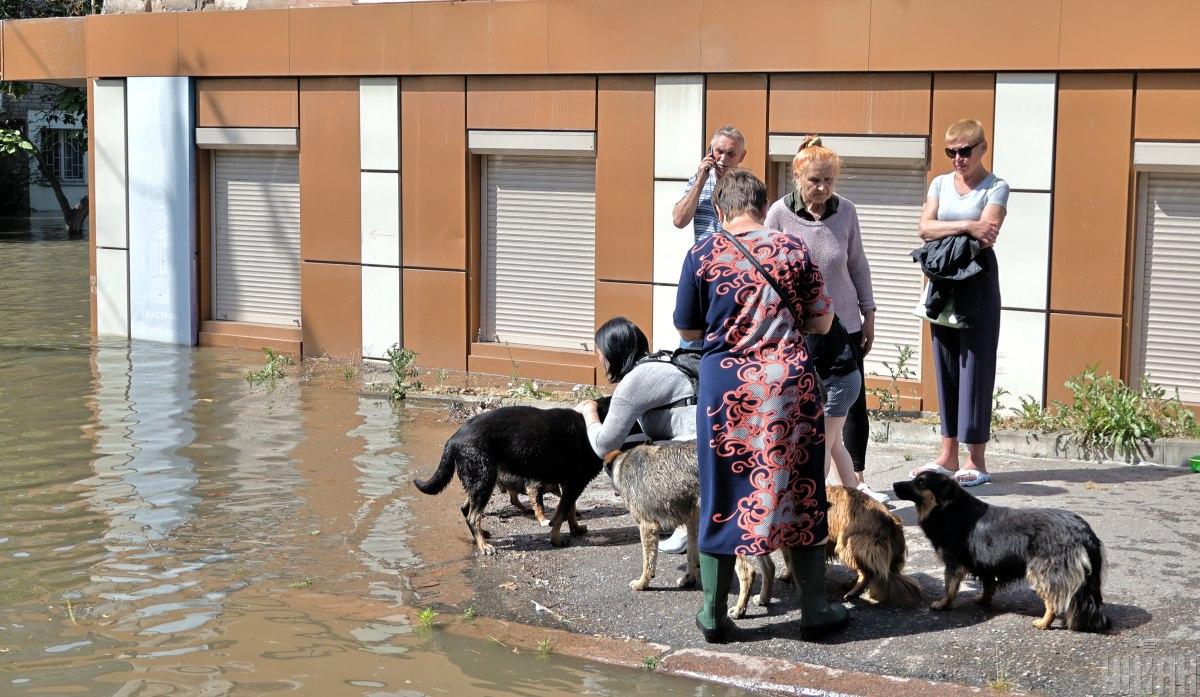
[(167, 528)]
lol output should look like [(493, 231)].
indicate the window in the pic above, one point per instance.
[(63, 150)]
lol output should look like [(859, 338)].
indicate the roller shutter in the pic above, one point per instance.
[(1168, 327), (889, 200), (256, 240), (540, 250)]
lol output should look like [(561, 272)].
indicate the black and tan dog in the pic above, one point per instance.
[(1056, 550), (533, 447)]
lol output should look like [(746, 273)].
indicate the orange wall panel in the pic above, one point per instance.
[(634, 36), (329, 170), (230, 44), (541, 103), (434, 161), (133, 45), (1106, 34), (479, 37), (835, 35), (632, 300), (960, 96), (331, 309), (741, 101), (1076, 342), (946, 35), (1091, 192), (1167, 106), (625, 179), (45, 49), (357, 40), (850, 104), (435, 317), (250, 103)]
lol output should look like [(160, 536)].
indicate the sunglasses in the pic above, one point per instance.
[(961, 152)]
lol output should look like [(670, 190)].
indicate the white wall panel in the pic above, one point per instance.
[(1023, 251), (108, 139), (664, 335), (1024, 140), (671, 244), (1021, 355), (379, 123), (380, 310), (112, 292), (162, 210), (380, 218), (678, 125)]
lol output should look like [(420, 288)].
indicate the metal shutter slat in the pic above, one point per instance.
[(256, 241), (540, 250)]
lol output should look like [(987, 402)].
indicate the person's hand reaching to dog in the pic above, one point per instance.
[(590, 411)]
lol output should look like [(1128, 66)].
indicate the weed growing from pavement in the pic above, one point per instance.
[(468, 614), (301, 584), (519, 387), (582, 392), (427, 618), (272, 371), (400, 362), (650, 662), (1001, 682), (889, 396), (544, 648), (909, 457), (348, 373)]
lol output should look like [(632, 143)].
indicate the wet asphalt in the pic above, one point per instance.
[(1145, 515)]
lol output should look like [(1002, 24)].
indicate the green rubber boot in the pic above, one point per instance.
[(818, 616), (716, 575)]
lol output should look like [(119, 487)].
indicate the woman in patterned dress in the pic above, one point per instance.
[(760, 437)]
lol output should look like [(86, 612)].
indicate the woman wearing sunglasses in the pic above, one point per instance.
[(967, 201)]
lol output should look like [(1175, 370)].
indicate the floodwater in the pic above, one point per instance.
[(167, 529)]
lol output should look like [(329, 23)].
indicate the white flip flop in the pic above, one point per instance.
[(931, 467)]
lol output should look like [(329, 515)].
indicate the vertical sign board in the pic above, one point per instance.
[(162, 207)]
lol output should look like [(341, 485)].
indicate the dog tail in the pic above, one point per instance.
[(444, 473), (896, 589), (1086, 611)]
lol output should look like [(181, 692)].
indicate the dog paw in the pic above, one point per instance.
[(737, 613), (761, 601), (686, 581), (1039, 624), (639, 584), (940, 604), (786, 577), (579, 530), (545, 522), (487, 550), (559, 541)]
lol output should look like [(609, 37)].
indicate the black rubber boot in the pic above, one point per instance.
[(818, 616), (716, 575)]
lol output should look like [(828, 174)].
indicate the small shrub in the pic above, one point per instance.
[(427, 618), (272, 371), (441, 374), (998, 396), (400, 361), (348, 373), (468, 614), (1030, 415), (1106, 415), (650, 662), (1001, 682), (544, 649), (582, 392), (519, 387), (889, 396)]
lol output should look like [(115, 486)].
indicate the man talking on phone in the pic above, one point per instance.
[(726, 151)]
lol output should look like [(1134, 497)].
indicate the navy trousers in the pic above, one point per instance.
[(965, 360)]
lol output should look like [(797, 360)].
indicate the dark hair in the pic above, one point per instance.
[(740, 191), (622, 344)]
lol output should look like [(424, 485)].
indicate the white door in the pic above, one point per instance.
[(256, 240), (540, 251), (1167, 341), (889, 200)]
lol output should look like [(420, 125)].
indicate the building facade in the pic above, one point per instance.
[(485, 182)]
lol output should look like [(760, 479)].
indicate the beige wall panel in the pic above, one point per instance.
[(624, 179), (1091, 192), (479, 37), (850, 104), (331, 309), (434, 162), (249, 103), (1167, 106), (624, 36), (960, 96), (91, 182), (1108, 34), (133, 45), (835, 35), (1009, 34), (40, 49), (632, 300), (741, 101), (358, 40), (329, 170), (541, 103), (1076, 342), (435, 317), (229, 44)]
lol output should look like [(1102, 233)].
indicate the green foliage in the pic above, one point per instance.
[(1031, 416), (889, 395), (650, 662), (427, 618), (348, 373), (301, 584), (519, 387), (998, 406), (582, 392), (401, 362), (544, 648), (469, 614), (1106, 415), (272, 371)]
